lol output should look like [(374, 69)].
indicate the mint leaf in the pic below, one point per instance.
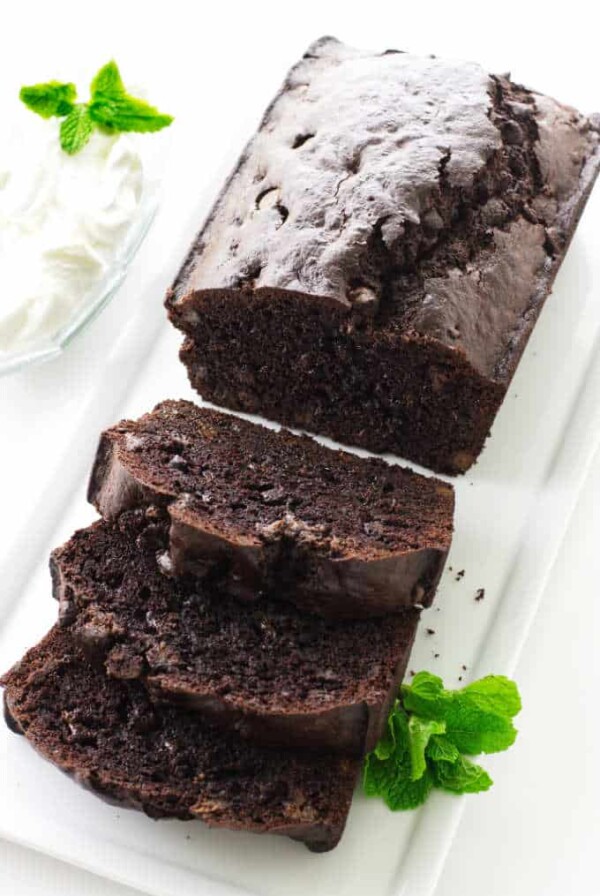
[(419, 733), (107, 82), (113, 109), (460, 776), (47, 100), (388, 781), (387, 743), (425, 695), (76, 129), (128, 114), (495, 694), (390, 777), (479, 716), (440, 748), (473, 731)]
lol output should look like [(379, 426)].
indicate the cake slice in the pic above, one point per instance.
[(377, 260), (275, 674), (339, 535), (165, 761)]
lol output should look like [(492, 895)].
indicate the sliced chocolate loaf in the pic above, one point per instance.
[(378, 259), (337, 534), (165, 761), (266, 669)]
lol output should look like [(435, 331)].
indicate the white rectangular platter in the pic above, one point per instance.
[(513, 509)]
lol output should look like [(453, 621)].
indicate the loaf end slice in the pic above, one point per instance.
[(167, 762)]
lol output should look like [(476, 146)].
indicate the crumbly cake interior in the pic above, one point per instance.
[(267, 655), (243, 479), (162, 759), (337, 387)]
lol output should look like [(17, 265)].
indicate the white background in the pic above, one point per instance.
[(536, 831)]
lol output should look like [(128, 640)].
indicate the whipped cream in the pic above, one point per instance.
[(63, 220)]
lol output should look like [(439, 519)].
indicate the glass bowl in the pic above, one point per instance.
[(98, 296)]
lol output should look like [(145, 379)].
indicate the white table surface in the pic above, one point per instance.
[(535, 833)]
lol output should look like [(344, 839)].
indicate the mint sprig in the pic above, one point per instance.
[(110, 108), (430, 734)]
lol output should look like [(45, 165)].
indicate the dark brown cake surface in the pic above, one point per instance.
[(376, 262), (166, 761), (273, 672), (338, 534)]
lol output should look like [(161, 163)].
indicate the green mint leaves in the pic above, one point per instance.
[(389, 769), (430, 734), (49, 99), (460, 776), (113, 109), (420, 732), (110, 108), (76, 129)]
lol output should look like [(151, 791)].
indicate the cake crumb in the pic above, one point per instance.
[(412, 673), (460, 574), (460, 677), (480, 594), (435, 655), (430, 631), (463, 667)]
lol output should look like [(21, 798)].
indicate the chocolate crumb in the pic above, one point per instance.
[(460, 677), (480, 594), (460, 574), (430, 631), (412, 673), (435, 655), (463, 667)]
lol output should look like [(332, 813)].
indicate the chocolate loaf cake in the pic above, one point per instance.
[(271, 672), (376, 262), (339, 535), (165, 761)]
